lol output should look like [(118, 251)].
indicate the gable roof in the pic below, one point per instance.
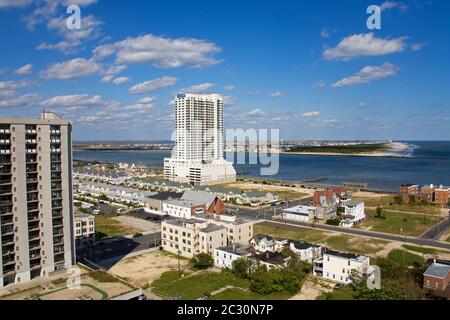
[(199, 197)]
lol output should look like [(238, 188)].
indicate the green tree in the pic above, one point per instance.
[(379, 211), (241, 267), (202, 261)]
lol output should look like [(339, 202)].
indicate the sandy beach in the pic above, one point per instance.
[(395, 149)]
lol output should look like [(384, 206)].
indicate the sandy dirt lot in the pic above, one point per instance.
[(269, 188), (142, 270), (138, 223), (312, 288)]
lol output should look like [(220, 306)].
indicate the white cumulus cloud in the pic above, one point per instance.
[(368, 44), (153, 85), (75, 68), (26, 69), (160, 52), (368, 74)]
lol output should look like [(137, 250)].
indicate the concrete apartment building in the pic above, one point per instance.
[(189, 237), (36, 210), (198, 156), (84, 229)]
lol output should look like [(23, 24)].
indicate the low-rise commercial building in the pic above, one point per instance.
[(185, 209), (154, 203), (300, 213)]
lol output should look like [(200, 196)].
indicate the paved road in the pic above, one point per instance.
[(106, 250), (437, 230), (358, 232), (264, 213)]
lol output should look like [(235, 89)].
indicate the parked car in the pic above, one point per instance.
[(137, 235)]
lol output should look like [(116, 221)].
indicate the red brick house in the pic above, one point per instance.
[(437, 278)]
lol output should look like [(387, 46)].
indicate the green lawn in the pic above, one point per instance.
[(308, 235), (392, 222), (388, 203), (403, 257), (194, 287), (238, 294), (343, 293), (107, 227), (342, 243), (421, 249)]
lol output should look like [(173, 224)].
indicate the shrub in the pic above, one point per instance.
[(202, 261)]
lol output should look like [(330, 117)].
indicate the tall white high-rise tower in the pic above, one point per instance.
[(198, 154)]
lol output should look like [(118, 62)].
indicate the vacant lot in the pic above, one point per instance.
[(192, 287), (93, 285), (144, 269), (387, 201), (107, 227), (335, 241), (398, 223)]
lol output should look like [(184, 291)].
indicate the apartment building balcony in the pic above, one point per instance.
[(31, 141), (32, 180), (7, 270), (31, 131), (7, 220), (58, 223), (58, 249), (5, 151), (31, 151), (56, 150), (59, 257), (8, 240), (58, 231), (5, 141), (33, 217), (33, 235), (35, 264), (7, 229), (55, 141), (58, 241), (6, 202), (7, 131), (34, 227), (55, 131), (35, 254)]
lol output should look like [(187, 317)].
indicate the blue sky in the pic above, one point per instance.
[(309, 68)]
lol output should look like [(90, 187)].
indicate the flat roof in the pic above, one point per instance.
[(300, 245), (345, 255), (239, 250), (166, 196), (183, 203), (212, 228), (437, 270)]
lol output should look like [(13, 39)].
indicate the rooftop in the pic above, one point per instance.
[(212, 228), (166, 196), (353, 203), (437, 270), (345, 255), (275, 258), (239, 250), (184, 203), (302, 245)]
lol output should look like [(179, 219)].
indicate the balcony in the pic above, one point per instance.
[(30, 131), (5, 141), (5, 151), (55, 141), (55, 131), (31, 141), (33, 235), (56, 150), (9, 270), (31, 151), (8, 131)]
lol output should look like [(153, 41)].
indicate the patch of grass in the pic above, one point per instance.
[(107, 227), (238, 294), (393, 222), (403, 257), (101, 276), (308, 235), (420, 249), (343, 293), (193, 287), (388, 203)]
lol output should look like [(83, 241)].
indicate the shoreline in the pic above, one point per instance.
[(395, 150)]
